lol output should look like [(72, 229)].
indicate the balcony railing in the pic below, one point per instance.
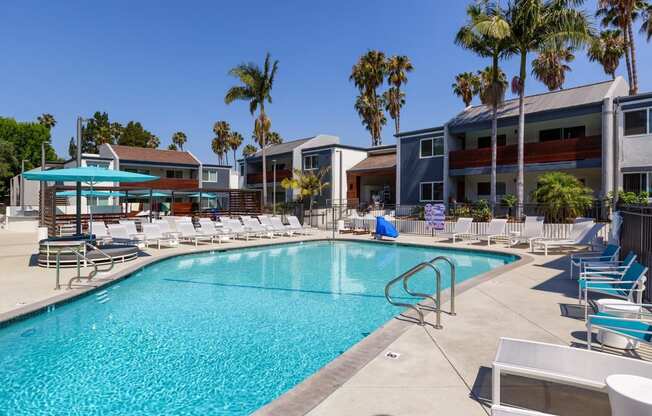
[(166, 183), (542, 152), (258, 177)]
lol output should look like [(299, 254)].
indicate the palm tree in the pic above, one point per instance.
[(309, 184), (466, 85), (47, 120), (274, 138), (487, 33), (173, 146), (550, 67), (234, 141), (249, 150), (534, 24), (563, 196), (607, 49), (398, 67), (222, 131), (256, 87), (219, 148), (368, 74), (179, 139), (153, 141)]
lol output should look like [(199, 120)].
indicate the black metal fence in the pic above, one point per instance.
[(636, 236)]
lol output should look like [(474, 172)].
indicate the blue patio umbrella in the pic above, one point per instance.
[(203, 195), (89, 175), (89, 193)]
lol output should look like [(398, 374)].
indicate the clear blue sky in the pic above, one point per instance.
[(165, 63)]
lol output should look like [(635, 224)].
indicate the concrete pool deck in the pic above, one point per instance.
[(445, 371)]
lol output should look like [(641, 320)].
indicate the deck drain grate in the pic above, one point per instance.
[(392, 355)]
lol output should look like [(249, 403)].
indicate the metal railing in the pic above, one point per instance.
[(79, 257), (636, 236), (405, 279)]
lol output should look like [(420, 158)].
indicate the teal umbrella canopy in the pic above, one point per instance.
[(203, 195), (86, 192), (145, 194), (88, 175)]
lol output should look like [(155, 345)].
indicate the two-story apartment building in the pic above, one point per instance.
[(572, 130), (633, 147)]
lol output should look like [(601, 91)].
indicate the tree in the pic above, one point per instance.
[(534, 24), (563, 196), (234, 141), (219, 148), (274, 138), (222, 131), (99, 130), (47, 120), (249, 150), (256, 87), (72, 148), (487, 33), (466, 85), (368, 74), (261, 132), (397, 69), (607, 49), (179, 139), (309, 184), (134, 134), (173, 146), (550, 67), (9, 166)]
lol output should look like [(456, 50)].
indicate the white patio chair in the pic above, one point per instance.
[(119, 235), (236, 229), (256, 228), (281, 228), (532, 230), (462, 229), (583, 233), (495, 231), (132, 230), (207, 227), (296, 226), (100, 232), (154, 235), (188, 233)]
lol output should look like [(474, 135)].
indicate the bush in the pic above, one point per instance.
[(481, 211), (563, 196)]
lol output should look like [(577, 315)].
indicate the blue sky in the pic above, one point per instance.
[(165, 63)]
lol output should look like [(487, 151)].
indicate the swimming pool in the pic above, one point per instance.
[(209, 333)]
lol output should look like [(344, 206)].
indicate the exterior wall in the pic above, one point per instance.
[(635, 151), (349, 158), (414, 169), (223, 178), (324, 159)]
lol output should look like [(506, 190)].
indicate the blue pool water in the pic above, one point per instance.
[(216, 333)]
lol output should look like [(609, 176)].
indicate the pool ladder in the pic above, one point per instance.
[(80, 256), (436, 299)]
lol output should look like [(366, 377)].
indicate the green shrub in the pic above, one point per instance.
[(481, 211), (563, 196)]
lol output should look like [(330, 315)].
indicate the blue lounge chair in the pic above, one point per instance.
[(635, 329), (612, 270), (610, 253), (631, 284)]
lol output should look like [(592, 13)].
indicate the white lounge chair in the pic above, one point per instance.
[(207, 227), (236, 228), (281, 228), (461, 230), (256, 228), (532, 230), (120, 235), (100, 232), (496, 230), (154, 235), (559, 364), (583, 233), (167, 231), (132, 230), (296, 226), (188, 233)]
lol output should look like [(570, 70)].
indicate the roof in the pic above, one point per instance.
[(285, 147), (376, 162), (142, 154), (556, 100)]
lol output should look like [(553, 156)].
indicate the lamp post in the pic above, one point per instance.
[(22, 186), (274, 191)]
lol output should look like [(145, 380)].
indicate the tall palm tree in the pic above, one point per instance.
[(607, 49), (466, 85), (261, 132), (487, 33), (534, 24), (179, 139), (234, 141), (274, 138), (550, 66), (256, 87), (47, 120), (249, 150), (398, 67), (219, 148), (368, 74), (222, 131)]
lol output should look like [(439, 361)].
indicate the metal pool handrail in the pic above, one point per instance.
[(80, 256), (452, 266)]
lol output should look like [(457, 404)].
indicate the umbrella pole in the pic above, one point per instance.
[(151, 205), (78, 216)]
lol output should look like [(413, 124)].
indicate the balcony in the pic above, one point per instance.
[(165, 183), (543, 152), (254, 178)]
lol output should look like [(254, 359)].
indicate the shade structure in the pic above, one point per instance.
[(89, 193), (203, 195), (154, 194), (90, 175)]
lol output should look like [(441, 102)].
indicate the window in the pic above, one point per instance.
[(431, 191), (562, 133), (637, 182), (636, 122), (209, 175), (141, 171), (485, 141), (432, 147), (484, 188), (174, 174), (310, 162), (242, 169), (97, 164)]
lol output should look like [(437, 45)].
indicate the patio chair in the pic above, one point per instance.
[(635, 329), (164, 225), (462, 229), (100, 232), (583, 234), (559, 364), (119, 235), (256, 228), (613, 271), (496, 230), (280, 227), (188, 233), (132, 230), (236, 228), (207, 227), (154, 235), (629, 286), (610, 253), (296, 226), (532, 229)]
